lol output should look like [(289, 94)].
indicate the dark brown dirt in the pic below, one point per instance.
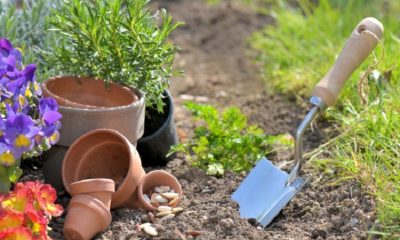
[(214, 56)]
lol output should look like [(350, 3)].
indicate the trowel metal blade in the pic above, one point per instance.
[(263, 194)]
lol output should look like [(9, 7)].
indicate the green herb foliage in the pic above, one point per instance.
[(224, 140), (115, 40)]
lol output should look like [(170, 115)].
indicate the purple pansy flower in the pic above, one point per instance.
[(48, 111), (47, 104), (5, 47), (29, 122), (20, 132), (50, 116)]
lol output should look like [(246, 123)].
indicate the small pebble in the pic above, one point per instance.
[(170, 195), (151, 217), (169, 216), (227, 223), (162, 214), (154, 201), (141, 226), (177, 210), (161, 199), (165, 189), (205, 219), (173, 201), (164, 208), (348, 202), (151, 230), (193, 233)]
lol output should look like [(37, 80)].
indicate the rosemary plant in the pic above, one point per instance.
[(115, 40)]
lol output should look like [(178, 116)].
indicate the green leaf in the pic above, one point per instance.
[(15, 174), (224, 141), (215, 169)]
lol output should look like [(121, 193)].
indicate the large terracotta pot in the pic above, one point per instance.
[(104, 153), (87, 104)]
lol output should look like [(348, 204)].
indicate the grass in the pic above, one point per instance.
[(369, 150), (300, 49)]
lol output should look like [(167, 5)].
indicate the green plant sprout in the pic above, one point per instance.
[(225, 141)]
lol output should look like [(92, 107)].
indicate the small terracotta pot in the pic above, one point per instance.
[(87, 104), (155, 179), (86, 217), (99, 188), (104, 153)]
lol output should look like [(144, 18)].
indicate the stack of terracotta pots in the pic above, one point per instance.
[(103, 170), (96, 153), (89, 208), (86, 104)]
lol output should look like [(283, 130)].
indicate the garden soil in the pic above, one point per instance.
[(215, 57)]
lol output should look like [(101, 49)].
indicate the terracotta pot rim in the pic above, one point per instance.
[(90, 108), (92, 185), (95, 205), (125, 141), (140, 187)]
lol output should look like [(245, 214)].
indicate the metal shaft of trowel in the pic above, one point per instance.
[(318, 106)]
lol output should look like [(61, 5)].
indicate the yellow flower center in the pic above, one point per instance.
[(9, 101), (7, 159), (28, 92), (54, 137), (22, 100), (35, 228), (22, 141)]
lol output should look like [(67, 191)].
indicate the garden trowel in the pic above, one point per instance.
[(267, 189)]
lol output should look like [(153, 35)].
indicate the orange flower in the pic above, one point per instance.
[(47, 197), (19, 233), (17, 200), (10, 219), (37, 222), (26, 211), (44, 196)]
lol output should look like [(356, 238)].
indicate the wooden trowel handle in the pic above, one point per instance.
[(359, 45)]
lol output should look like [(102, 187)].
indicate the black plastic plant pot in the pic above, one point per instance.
[(159, 135), (52, 162)]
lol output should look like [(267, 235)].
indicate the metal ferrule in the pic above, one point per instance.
[(318, 106)]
